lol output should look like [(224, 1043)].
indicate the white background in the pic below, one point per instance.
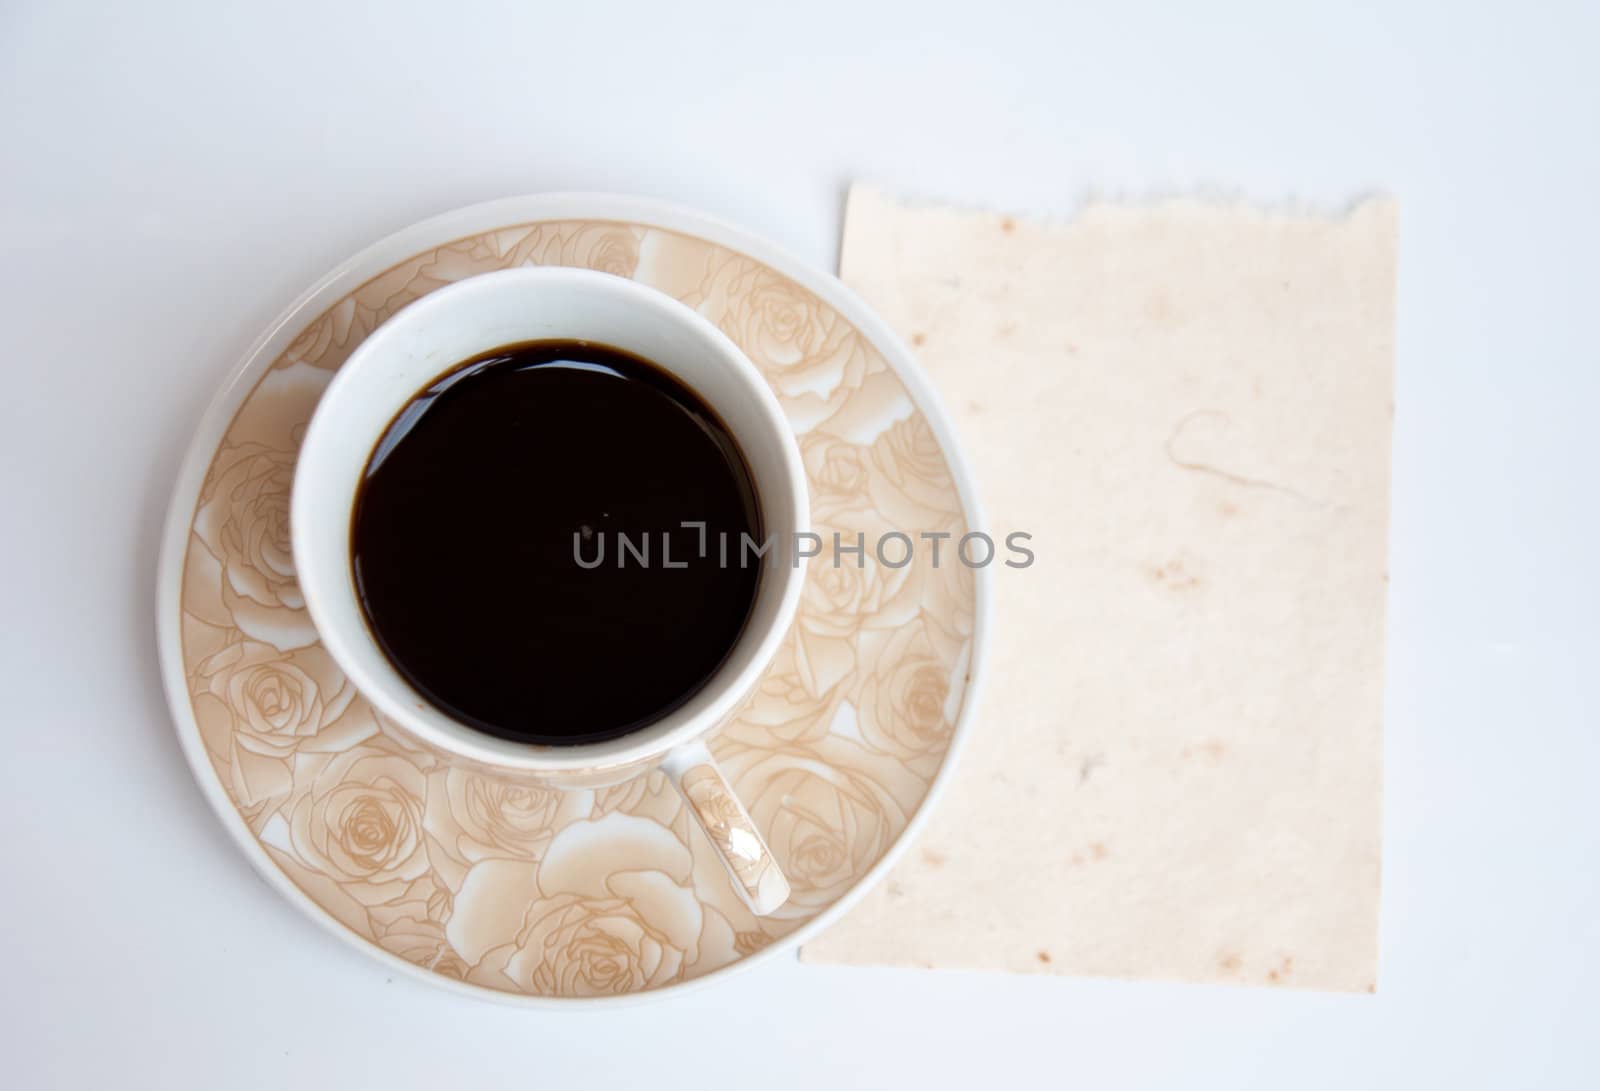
[(172, 174)]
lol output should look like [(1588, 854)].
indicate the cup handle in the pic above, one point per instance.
[(751, 865)]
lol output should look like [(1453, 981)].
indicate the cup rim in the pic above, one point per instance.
[(324, 573)]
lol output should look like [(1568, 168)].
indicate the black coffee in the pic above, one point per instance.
[(468, 568)]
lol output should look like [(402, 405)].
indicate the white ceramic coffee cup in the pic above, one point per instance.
[(463, 320)]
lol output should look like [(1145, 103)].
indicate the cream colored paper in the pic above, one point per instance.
[(1175, 770)]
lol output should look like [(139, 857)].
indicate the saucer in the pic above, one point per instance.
[(480, 880)]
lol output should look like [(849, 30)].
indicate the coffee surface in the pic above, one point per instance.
[(485, 507)]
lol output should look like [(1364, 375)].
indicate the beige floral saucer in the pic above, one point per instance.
[(489, 884)]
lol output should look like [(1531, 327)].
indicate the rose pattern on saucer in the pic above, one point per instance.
[(493, 880)]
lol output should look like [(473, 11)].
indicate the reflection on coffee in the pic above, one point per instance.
[(463, 542)]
